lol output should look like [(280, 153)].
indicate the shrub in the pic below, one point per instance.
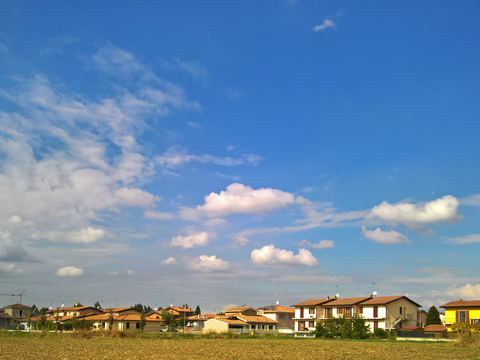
[(380, 333)]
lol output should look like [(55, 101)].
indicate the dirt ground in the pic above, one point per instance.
[(66, 348)]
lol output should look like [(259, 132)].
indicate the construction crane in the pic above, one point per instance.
[(10, 294)]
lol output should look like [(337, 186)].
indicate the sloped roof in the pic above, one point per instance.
[(5, 316), (15, 306), (201, 317), (348, 301), (256, 319), (276, 309), (239, 309), (434, 328), (313, 302), (382, 300), (461, 303), (230, 320)]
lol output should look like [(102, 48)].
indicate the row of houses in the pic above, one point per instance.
[(385, 312)]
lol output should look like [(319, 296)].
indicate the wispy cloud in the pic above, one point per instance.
[(193, 68), (326, 24), (467, 239)]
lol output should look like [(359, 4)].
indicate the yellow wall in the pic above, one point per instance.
[(451, 315), (215, 325)]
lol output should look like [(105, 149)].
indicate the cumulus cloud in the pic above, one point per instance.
[(157, 215), (86, 236), (69, 271), (467, 239), (385, 237), (207, 263), (450, 293), (444, 209), (241, 199), (322, 244), (191, 241), (10, 269), (270, 255), (326, 24), (175, 156), (170, 261)]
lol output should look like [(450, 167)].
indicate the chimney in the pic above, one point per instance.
[(328, 297)]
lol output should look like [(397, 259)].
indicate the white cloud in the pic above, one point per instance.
[(270, 255), (385, 237), (69, 271), (473, 200), (130, 272), (11, 250), (193, 68), (208, 264), (10, 269), (170, 261), (174, 156), (113, 273), (322, 244), (326, 24), (157, 215), (241, 199), (450, 293), (240, 241), (86, 236), (467, 239), (191, 241), (231, 177), (194, 125), (230, 148), (444, 209)]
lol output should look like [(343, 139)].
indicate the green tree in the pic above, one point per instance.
[(143, 322), (359, 329), (197, 310), (110, 320), (29, 321), (77, 304), (34, 309), (43, 310), (433, 317), (97, 305), (169, 319)]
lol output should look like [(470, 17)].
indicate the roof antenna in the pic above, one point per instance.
[(337, 295), (276, 299), (171, 302), (63, 303), (374, 291)]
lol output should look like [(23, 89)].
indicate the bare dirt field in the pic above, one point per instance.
[(61, 347)]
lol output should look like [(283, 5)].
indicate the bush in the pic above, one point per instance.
[(380, 333), (344, 328)]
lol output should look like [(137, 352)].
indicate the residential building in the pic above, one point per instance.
[(461, 311), (10, 314), (386, 312), (124, 322), (179, 312), (307, 313), (421, 318), (281, 314), (197, 322), (242, 320), (74, 311)]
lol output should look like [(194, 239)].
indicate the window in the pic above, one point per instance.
[(270, 327), (137, 326), (301, 312), (339, 311), (21, 313), (290, 317), (462, 316), (400, 310), (311, 324), (328, 312), (360, 311), (375, 311), (128, 325), (311, 311), (474, 321), (301, 326)]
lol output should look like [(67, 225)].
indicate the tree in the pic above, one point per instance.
[(433, 317), (141, 307), (29, 321), (57, 316), (77, 304), (34, 309), (169, 319), (97, 305), (197, 310), (143, 322), (43, 310), (110, 319)]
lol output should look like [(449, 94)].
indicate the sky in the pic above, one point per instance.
[(228, 153)]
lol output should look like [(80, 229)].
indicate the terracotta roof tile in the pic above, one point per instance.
[(313, 302), (230, 321), (434, 328), (15, 306), (238, 309), (381, 300), (280, 309), (461, 303), (347, 301), (201, 317), (256, 319)]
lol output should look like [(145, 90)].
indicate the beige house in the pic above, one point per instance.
[(241, 320), (421, 318), (179, 312), (281, 314), (10, 314), (197, 322), (74, 311), (124, 322), (386, 312)]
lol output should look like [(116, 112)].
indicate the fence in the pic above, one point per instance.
[(427, 334)]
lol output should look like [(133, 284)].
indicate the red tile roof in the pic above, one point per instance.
[(279, 309), (461, 303), (201, 317), (238, 309), (347, 301), (15, 306), (5, 316), (313, 302), (382, 300), (434, 328)]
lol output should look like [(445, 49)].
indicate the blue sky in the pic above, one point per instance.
[(221, 153)]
